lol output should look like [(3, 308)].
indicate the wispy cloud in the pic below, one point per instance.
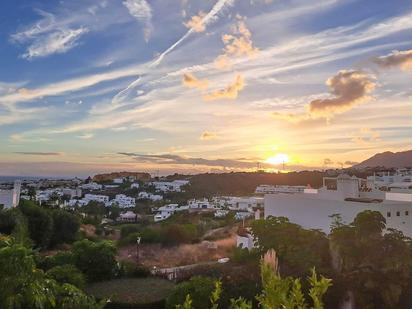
[(141, 10), (46, 37), (86, 136), (34, 153), (396, 59)]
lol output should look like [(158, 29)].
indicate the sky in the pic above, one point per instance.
[(192, 86)]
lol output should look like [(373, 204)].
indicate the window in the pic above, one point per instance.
[(388, 214), (406, 213), (398, 213)]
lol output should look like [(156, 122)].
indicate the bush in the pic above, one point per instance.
[(66, 227), (67, 274), (199, 288), (96, 260), (128, 229), (60, 259), (130, 269)]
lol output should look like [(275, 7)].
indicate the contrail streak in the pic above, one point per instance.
[(207, 20)]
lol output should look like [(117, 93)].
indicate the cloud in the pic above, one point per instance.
[(206, 136), (237, 44), (86, 136), (350, 88), (230, 92), (26, 153), (47, 38), (196, 22), (351, 163), (191, 81), (396, 59), (210, 17), (327, 161), (366, 136), (177, 159), (141, 10)]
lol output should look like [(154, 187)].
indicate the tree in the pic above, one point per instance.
[(40, 223), (66, 227), (114, 211), (199, 288), (375, 263), (298, 249), (67, 274), (23, 285), (96, 260)]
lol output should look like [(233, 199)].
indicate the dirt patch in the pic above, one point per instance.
[(156, 255)]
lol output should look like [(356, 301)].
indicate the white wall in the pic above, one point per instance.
[(313, 213)]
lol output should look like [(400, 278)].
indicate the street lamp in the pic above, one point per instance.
[(137, 248)]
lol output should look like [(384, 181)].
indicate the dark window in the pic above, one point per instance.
[(406, 213), (398, 213), (388, 214)]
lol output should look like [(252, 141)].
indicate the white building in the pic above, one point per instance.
[(169, 186), (77, 192), (91, 186), (10, 198), (135, 185), (164, 212), (270, 189), (245, 203), (200, 204), (400, 181), (118, 181), (124, 201), (343, 195), (97, 198), (150, 196)]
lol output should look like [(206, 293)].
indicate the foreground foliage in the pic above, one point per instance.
[(23, 285), (277, 293)]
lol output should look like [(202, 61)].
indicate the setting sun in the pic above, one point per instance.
[(280, 158)]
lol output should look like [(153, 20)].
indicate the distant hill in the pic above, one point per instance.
[(111, 176), (388, 159)]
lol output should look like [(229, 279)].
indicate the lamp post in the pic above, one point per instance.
[(137, 249)]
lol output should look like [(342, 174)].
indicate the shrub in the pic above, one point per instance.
[(130, 269), (66, 226), (96, 260), (67, 274), (128, 229), (199, 288), (60, 259)]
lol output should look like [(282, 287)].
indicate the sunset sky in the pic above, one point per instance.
[(90, 86)]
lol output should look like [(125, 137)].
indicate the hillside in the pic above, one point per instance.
[(114, 175), (245, 183), (388, 159)]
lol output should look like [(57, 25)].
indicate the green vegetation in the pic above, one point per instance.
[(67, 274), (199, 288), (23, 285), (95, 259), (277, 292), (147, 292), (376, 266)]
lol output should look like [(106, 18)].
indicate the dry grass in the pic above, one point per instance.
[(161, 257)]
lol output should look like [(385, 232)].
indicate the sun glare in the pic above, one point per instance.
[(280, 158)]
